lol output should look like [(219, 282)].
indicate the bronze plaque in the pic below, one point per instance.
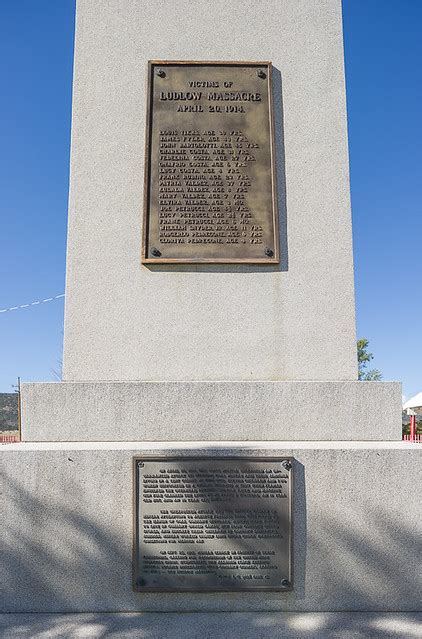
[(212, 524), (210, 194)]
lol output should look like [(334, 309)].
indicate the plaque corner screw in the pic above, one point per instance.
[(261, 74), (161, 73), (285, 583), (286, 464), (269, 252), (155, 252)]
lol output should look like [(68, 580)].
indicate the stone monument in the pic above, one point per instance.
[(210, 336)]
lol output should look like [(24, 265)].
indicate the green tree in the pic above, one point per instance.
[(364, 357)]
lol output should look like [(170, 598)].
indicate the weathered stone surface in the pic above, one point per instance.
[(67, 536)]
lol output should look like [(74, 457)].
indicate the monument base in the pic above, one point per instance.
[(68, 528)]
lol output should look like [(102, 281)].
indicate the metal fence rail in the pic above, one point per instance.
[(9, 439), (417, 438)]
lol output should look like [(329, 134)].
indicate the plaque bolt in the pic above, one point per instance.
[(261, 74), (286, 464), (161, 73), (285, 583), (269, 252), (155, 252)]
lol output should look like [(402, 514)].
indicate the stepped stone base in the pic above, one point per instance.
[(67, 513), (193, 411)]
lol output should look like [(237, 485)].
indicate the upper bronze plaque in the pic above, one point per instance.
[(210, 192)]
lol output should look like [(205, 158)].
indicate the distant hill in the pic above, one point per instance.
[(8, 411)]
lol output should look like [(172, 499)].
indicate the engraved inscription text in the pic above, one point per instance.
[(212, 525), (210, 167)]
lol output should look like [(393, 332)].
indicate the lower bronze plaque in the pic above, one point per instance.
[(212, 524), (210, 191)]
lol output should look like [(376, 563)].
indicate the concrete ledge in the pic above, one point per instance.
[(186, 411), (210, 447), (252, 625), (68, 529)]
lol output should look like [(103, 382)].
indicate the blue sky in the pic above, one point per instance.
[(383, 51)]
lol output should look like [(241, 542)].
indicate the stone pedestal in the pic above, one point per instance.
[(206, 360), (68, 508), (211, 411)]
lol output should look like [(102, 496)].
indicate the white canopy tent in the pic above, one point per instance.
[(414, 404)]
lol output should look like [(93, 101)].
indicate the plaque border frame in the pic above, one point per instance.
[(145, 259), (135, 530)]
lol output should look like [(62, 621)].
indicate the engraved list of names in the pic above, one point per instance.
[(212, 524), (210, 177)]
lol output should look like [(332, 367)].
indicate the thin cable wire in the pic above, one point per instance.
[(15, 308)]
